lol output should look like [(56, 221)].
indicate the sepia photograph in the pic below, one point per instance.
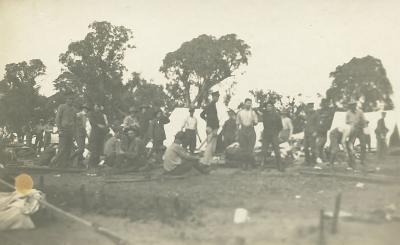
[(189, 122)]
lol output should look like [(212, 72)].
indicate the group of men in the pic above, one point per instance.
[(118, 145), (126, 146), (278, 128)]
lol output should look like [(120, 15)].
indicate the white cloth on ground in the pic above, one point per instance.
[(15, 209)]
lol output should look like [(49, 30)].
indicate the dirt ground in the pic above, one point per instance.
[(283, 208)]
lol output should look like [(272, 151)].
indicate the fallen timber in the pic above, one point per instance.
[(368, 178)]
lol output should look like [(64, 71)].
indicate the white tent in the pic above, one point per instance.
[(339, 120), (179, 115)]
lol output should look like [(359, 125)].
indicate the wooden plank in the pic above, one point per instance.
[(39, 170), (379, 179)]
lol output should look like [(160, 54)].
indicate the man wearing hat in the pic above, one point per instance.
[(324, 122), (156, 133), (210, 115), (356, 122), (65, 121), (310, 135), (177, 161), (272, 126), (190, 128), (229, 130), (131, 120), (381, 132)]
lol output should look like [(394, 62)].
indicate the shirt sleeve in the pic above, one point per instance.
[(59, 115), (255, 117)]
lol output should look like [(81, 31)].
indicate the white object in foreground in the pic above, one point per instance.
[(241, 216)]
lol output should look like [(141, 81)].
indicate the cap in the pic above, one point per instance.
[(215, 93)]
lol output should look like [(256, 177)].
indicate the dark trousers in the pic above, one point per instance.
[(381, 146), (335, 138), (247, 139), (39, 142), (320, 144), (190, 140), (356, 134), (96, 141), (368, 142), (272, 139), (47, 139), (64, 147), (310, 149), (80, 140)]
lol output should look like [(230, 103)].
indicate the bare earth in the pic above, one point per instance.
[(283, 208)]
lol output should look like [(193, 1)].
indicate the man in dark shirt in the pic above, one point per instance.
[(65, 121), (272, 126), (324, 122), (210, 115), (310, 135), (156, 134), (132, 153), (229, 130), (381, 132)]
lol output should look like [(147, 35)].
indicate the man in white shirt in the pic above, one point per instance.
[(190, 128), (246, 120)]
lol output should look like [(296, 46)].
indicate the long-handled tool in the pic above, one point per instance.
[(97, 228)]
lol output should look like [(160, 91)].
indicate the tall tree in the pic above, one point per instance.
[(361, 77), (20, 101), (93, 66), (200, 64)]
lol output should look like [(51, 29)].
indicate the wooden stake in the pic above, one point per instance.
[(336, 214), (321, 236), (82, 191), (41, 182)]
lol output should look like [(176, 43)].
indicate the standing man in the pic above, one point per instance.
[(65, 121), (381, 132), (356, 121), (210, 115), (272, 126), (156, 133), (99, 124), (81, 134), (324, 122), (191, 132), (246, 120), (229, 130), (310, 135)]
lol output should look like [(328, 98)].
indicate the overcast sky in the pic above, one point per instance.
[(294, 44)]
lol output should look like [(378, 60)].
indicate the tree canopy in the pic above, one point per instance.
[(361, 77), (200, 64), (20, 101), (93, 66)]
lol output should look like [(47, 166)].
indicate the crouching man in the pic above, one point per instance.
[(132, 153), (177, 161)]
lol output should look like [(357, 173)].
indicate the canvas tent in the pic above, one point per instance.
[(373, 117), (178, 116)]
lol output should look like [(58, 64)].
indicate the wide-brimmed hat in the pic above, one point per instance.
[(215, 93)]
